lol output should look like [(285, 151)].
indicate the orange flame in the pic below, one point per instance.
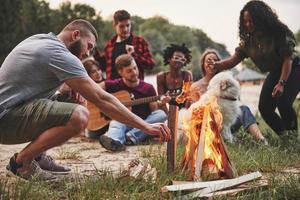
[(185, 93), (205, 121)]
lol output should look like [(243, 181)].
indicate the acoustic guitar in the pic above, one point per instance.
[(98, 119)]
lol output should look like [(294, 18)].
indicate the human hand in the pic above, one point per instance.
[(278, 90), (159, 131), (212, 64), (165, 99), (129, 49)]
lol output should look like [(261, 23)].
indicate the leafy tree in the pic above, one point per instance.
[(136, 23), (156, 40), (20, 19)]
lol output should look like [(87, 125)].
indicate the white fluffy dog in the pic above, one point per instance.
[(227, 90)]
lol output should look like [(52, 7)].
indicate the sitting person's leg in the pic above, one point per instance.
[(96, 134), (136, 135), (248, 121), (116, 131), (44, 122), (114, 139)]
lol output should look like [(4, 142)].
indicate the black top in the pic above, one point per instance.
[(266, 51), (174, 91), (119, 49)]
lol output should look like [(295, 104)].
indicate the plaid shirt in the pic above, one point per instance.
[(141, 55)]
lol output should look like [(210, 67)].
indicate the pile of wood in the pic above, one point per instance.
[(211, 188)]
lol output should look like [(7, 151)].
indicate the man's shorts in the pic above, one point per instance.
[(26, 122)]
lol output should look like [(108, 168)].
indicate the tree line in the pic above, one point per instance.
[(20, 19)]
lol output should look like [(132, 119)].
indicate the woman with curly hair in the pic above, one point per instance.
[(171, 82), (270, 45)]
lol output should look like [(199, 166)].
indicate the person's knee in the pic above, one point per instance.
[(245, 109), (285, 107), (161, 116), (79, 118), (264, 109)]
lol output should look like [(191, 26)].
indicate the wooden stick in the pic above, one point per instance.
[(200, 148), (220, 186), (229, 168), (232, 192), (171, 146), (191, 185)]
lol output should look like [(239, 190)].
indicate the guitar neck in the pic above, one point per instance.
[(142, 101)]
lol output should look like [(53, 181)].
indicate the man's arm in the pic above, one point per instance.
[(112, 107)]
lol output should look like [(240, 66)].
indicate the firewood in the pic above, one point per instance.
[(171, 146), (232, 192), (200, 148), (223, 185), (190, 185)]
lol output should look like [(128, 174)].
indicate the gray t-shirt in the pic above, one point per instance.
[(34, 69)]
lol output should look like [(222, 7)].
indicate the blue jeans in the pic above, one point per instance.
[(120, 132), (245, 119)]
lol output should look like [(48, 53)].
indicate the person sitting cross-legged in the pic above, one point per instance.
[(119, 133)]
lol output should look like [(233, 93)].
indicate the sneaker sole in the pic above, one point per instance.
[(10, 174), (58, 173), (104, 142)]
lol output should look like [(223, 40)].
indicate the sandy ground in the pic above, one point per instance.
[(86, 156)]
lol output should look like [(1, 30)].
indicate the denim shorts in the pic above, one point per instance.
[(245, 119), (26, 122)]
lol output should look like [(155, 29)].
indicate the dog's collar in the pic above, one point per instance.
[(228, 98)]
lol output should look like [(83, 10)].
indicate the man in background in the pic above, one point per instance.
[(125, 42)]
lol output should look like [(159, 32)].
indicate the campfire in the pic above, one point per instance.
[(205, 156), (205, 159)]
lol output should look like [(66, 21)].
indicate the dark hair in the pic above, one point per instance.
[(204, 54), (169, 51), (265, 20), (88, 63), (123, 60), (99, 56), (121, 15), (83, 26)]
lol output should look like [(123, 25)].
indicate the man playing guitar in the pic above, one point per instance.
[(118, 133)]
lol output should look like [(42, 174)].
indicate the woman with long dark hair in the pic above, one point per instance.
[(269, 43)]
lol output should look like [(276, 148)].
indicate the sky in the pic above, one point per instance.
[(217, 18)]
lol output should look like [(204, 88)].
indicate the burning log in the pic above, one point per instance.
[(171, 146), (206, 157)]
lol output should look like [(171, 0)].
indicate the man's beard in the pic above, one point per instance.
[(75, 48)]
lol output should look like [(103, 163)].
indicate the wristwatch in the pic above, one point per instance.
[(282, 82)]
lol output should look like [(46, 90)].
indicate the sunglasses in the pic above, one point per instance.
[(180, 59)]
